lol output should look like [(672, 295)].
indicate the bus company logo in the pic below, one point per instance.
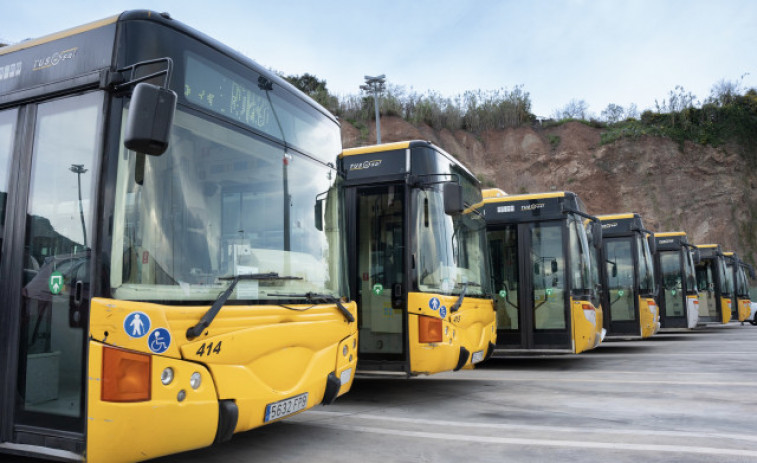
[(505, 209), (532, 207), (609, 225), (365, 165), (9, 71), (54, 59)]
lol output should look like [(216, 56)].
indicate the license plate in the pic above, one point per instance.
[(477, 356), (285, 407)]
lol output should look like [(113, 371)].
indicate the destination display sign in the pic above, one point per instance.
[(528, 210), (223, 92)]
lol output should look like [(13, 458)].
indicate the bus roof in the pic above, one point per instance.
[(531, 207), (105, 61), (493, 193), (58, 35), (669, 234), (376, 148), (526, 197), (621, 224), (627, 215), (389, 160)]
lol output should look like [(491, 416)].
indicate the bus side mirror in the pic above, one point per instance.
[(696, 257), (453, 198), (614, 270), (554, 266), (319, 214), (150, 118), (596, 234)]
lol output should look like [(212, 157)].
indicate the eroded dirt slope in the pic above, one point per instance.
[(707, 192)]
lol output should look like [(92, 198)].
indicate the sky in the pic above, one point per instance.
[(601, 51)]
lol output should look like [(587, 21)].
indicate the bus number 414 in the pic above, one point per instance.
[(208, 348)]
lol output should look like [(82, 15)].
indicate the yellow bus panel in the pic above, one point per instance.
[(472, 327), (649, 316)]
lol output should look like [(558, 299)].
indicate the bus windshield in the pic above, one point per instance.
[(583, 274), (689, 272), (742, 287), (222, 202), (726, 277), (451, 249), (729, 283), (645, 269)]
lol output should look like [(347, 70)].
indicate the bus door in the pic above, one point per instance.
[(380, 277), (621, 298), (708, 306), (529, 273), (673, 300), (45, 270)]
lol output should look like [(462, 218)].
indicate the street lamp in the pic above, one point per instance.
[(79, 169), (375, 85)]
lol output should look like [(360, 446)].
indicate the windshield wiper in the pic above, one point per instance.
[(459, 302), (207, 319), (324, 298)]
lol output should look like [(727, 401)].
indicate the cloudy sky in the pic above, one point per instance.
[(600, 51)]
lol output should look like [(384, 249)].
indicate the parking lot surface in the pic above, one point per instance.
[(686, 396), (678, 396)]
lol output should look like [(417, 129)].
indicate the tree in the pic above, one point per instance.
[(575, 109), (315, 89), (613, 113)]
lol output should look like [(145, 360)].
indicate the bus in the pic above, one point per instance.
[(676, 280), (714, 285), (627, 276), (166, 279), (544, 268), (418, 262), (741, 302)]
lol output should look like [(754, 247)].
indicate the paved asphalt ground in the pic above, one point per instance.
[(687, 396)]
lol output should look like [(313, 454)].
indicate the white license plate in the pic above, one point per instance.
[(285, 407), (477, 356)]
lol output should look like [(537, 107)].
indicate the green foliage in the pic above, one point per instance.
[(315, 89), (554, 140), (720, 120), (475, 111)]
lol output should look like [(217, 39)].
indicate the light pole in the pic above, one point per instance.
[(79, 169), (375, 85)]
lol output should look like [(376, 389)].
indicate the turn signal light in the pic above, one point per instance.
[(586, 306), (125, 376), (429, 329)]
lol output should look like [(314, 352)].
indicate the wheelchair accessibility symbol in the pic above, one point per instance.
[(159, 340)]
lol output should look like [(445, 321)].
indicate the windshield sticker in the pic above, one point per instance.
[(378, 288), (55, 283), (137, 324), (159, 340)]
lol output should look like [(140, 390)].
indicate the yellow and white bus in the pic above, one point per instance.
[(544, 268), (166, 281), (627, 275), (676, 280), (714, 285), (418, 265)]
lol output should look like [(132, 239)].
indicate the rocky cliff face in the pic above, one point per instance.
[(707, 192)]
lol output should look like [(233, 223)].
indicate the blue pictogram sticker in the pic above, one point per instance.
[(137, 324), (434, 303), (159, 340), (443, 311)]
